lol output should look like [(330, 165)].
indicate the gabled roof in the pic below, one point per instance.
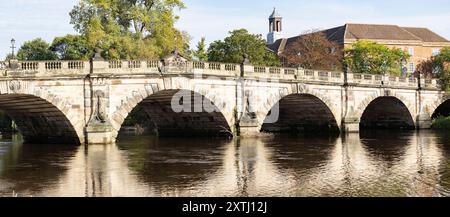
[(378, 32), (425, 34), (346, 32)]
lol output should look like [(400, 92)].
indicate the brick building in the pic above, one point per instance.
[(420, 43)]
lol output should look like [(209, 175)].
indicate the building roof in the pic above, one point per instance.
[(346, 32), (425, 34), (378, 32), (275, 14)]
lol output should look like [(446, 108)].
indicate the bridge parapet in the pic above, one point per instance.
[(45, 68), (430, 84), (214, 68), (270, 72), (321, 76), (390, 81), (130, 67)]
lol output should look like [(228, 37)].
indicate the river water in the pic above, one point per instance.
[(380, 163)]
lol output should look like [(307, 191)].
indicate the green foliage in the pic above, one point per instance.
[(373, 58), (441, 123), (201, 53), (441, 64), (240, 42), (8, 57), (71, 47), (36, 49), (138, 116), (129, 29), (5, 122)]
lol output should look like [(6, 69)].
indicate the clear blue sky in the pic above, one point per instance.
[(28, 19)]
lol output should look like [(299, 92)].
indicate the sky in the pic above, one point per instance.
[(28, 19)]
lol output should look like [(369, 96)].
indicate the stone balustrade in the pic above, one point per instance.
[(213, 68), (123, 67), (46, 68)]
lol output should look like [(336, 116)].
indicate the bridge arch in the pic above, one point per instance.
[(441, 109), (301, 112), (379, 111), (42, 117), (206, 116)]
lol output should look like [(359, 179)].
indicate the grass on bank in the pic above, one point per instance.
[(441, 123)]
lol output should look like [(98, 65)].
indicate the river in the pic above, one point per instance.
[(379, 163)]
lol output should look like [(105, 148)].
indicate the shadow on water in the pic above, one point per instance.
[(373, 163), (173, 162), (300, 152), (29, 167), (388, 145)]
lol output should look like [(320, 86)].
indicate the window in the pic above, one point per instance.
[(435, 51), (278, 26), (411, 67), (411, 51)]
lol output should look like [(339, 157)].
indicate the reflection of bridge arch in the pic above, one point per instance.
[(203, 117), (42, 117), (302, 112)]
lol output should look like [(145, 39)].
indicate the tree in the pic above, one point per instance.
[(201, 53), (71, 47), (36, 49), (441, 65), (442, 60), (373, 58), (313, 50), (9, 57), (426, 69), (129, 29), (240, 42)]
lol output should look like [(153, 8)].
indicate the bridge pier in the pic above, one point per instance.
[(350, 125), (98, 134), (248, 126), (423, 121), (248, 130)]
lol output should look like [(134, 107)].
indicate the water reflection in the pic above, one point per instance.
[(371, 164)]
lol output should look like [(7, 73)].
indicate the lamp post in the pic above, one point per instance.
[(13, 42)]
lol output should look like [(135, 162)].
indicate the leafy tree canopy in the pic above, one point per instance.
[(37, 49), (370, 57), (314, 51), (441, 65), (201, 53), (71, 47), (129, 29), (240, 42)]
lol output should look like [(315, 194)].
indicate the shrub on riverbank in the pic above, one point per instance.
[(441, 123)]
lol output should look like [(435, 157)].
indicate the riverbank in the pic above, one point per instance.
[(441, 123)]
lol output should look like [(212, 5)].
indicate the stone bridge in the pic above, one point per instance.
[(88, 101)]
